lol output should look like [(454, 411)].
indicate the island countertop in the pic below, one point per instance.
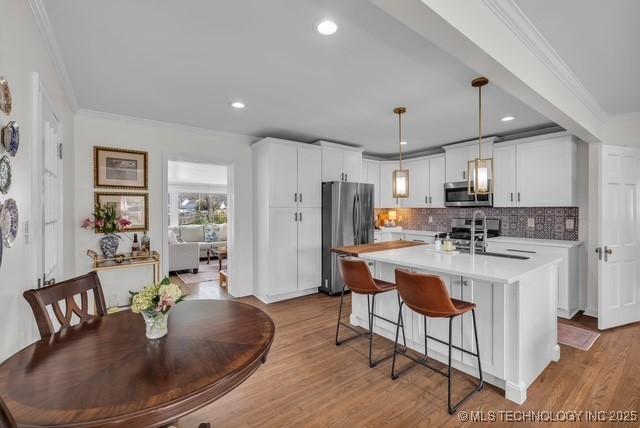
[(482, 267)]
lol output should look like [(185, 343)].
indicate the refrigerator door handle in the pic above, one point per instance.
[(359, 219), (354, 219)]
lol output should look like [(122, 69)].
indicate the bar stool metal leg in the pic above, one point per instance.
[(359, 334)]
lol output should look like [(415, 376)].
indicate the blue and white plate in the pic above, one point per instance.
[(9, 222), (5, 96), (11, 137), (5, 174)]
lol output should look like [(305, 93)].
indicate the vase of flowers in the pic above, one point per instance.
[(154, 303), (105, 220)]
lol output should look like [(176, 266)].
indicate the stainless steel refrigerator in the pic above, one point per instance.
[(347, 219)]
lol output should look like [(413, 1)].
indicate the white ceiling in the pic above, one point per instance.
[(600, 41), (196, 173), (185, 61)]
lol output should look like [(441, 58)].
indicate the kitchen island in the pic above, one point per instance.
[(516, 312)]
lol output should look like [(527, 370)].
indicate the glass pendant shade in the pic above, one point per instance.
[(480, 176), (401, 183)]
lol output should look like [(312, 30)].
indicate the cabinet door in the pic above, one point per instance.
[(373, 177), (489, 299), (436, 182), (504, 163), (456, 163), (364, 177), (283, 251), (283, 175), (352, 165), (386, 192), (309, 248), (332, 164), (309, 177), (546, 173), (418, 183)]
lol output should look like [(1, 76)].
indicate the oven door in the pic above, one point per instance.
[(456, 195)]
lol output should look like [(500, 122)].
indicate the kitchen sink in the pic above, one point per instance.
[(506, 256)]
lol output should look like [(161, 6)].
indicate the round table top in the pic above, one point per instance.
[(107, 373)]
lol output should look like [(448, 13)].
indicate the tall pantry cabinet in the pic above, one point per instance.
[(287, 218)]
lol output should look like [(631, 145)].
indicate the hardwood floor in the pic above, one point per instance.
[(309, 382)]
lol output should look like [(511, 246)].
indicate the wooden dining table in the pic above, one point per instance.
[(106, 373)]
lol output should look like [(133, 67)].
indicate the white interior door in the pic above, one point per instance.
[(48, 192), (618, 282)]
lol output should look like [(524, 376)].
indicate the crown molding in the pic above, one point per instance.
[(44, 25), (515, 19), (166, 125)]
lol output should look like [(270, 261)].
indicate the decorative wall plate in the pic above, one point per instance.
[(11, 137), (9, 222), (5, 96), (5, 174)]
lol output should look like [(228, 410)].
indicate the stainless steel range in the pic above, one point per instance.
[(461, 232)]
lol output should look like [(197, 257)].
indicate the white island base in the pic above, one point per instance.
[(516, 313)]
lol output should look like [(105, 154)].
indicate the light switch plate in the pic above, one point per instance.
[(531, 222), (569, 224), (430, 219)]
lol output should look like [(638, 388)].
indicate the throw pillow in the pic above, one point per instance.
[(173, 238), (210, 235)]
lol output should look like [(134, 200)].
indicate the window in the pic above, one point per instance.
[(201, 208)]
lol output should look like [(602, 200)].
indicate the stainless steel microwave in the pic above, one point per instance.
[(456, 194)]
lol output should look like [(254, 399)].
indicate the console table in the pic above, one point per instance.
[(121, 261)]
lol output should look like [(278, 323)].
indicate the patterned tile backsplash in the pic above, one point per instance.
[(548, 223)]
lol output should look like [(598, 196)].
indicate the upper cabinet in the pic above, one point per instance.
[(457, 157), (340, 163), (371, 175), (539, 173), (426, 182)]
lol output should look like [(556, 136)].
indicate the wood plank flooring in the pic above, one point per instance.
[(309, 382)]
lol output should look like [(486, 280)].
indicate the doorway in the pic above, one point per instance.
[(198, 220)]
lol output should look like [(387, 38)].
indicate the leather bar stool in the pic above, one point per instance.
[(356, 275), (427, 295)]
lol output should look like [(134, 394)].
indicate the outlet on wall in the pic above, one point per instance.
[(531, 222), (430, 219), (569, 224)]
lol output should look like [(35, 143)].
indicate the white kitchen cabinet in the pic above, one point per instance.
[(309, 248), (371, 175), (340, 163), (568, 271), (418, 183), (504, 164), (546, 173), (287, 216), (457, 157), (436, 181), (536, 173), (386, 192)]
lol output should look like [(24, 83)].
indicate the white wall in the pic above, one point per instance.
[(23, 52), (164, 142)]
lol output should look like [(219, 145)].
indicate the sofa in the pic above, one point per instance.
[(183, 239)]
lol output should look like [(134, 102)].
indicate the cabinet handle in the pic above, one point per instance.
[(465, 283), (300, 197), (295, 197), (464, 173), (518, 196), (430, 200), (598, 252), (418, 240), (511, 196), (520, 251), (300, 216), (295, 216), (426, 199), (346, 177), (342, 176), (607, 252)]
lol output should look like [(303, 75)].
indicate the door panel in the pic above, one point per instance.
[(504, 159), (352, 165), (309, 248), (283, 175), (332, 164), (50, 197), (418, 183), (310, 177), (283, 250), (436, 182), (618, 283), (373, 177)]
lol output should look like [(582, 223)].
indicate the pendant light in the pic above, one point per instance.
[(400, 176), (480, 170)]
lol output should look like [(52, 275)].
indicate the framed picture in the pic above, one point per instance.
[(132, 206), (122, 169)]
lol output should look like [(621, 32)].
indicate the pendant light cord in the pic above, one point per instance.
[(400, 137), (479, 122)]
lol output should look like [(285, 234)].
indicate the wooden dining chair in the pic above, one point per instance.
[(6, 420), (52, 295)]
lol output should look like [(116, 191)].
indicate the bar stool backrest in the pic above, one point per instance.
[(425, 294), (356, 275)]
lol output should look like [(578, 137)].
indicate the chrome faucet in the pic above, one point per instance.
[(472, 246)]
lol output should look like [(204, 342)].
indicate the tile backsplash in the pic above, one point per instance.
[(542, 223)]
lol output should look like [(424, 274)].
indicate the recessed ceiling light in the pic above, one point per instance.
[(508, 118), (404, 143), (326, 27), (239, 105)]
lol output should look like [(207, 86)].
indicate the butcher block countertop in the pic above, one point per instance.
[(356, 250)]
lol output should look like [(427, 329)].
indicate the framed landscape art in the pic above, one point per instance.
[(121, 169), (132, 206)]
